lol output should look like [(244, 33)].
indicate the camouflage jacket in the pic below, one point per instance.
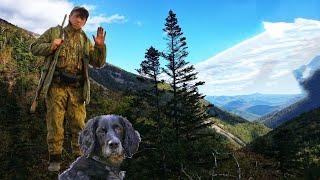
[(93, 55)]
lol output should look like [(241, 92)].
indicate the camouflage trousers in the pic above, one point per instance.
[(64, 102)]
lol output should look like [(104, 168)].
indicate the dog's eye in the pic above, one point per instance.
[(118, 129), (103, 130)]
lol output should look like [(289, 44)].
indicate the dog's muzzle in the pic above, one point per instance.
[(113, 144), (113, 147)]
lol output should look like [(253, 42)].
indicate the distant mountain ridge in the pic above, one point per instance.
[(255, 105), (276, 118), (312, 101)]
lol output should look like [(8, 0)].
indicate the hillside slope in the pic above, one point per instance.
[(296, 143), (115, 78)]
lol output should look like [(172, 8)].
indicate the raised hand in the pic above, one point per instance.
[(99, 40), (56, 43)]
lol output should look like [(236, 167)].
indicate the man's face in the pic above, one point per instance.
[(76, 21)]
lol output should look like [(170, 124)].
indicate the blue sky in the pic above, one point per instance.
[(210, 26), (217, 32)]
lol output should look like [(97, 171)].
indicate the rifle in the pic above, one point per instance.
[(44, 73)]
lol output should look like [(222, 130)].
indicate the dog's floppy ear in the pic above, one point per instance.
[(87, 137), (131, 138)]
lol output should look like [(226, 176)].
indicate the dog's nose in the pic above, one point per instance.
[(113, 144)]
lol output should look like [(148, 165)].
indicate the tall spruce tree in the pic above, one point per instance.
[(185, 109), (175, 55)]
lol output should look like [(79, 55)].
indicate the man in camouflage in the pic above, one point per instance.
[(66, 86)]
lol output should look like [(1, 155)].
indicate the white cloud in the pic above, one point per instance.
[(34, 15), (89, 7), (277, 29), (263, 63), (96, 21), (280, 74), (39, 15)]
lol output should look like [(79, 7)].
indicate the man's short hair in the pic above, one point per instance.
[(83, 12)]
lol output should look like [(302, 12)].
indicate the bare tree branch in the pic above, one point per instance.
[(185, 173), (214, 154)]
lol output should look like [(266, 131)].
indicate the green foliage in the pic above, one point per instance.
[(294, 144), (252, 165), (246, 131), (164, 86)]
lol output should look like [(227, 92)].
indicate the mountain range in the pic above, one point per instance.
[(253, 106), (311, 101)]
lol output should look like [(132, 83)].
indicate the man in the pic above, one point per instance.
[(67, 90)]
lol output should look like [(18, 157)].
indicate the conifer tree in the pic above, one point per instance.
[(150, 68), (175, 55), (185, 107)]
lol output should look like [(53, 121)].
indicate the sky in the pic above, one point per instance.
[(237, 46)]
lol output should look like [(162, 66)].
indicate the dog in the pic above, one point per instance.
[(105, 142)]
